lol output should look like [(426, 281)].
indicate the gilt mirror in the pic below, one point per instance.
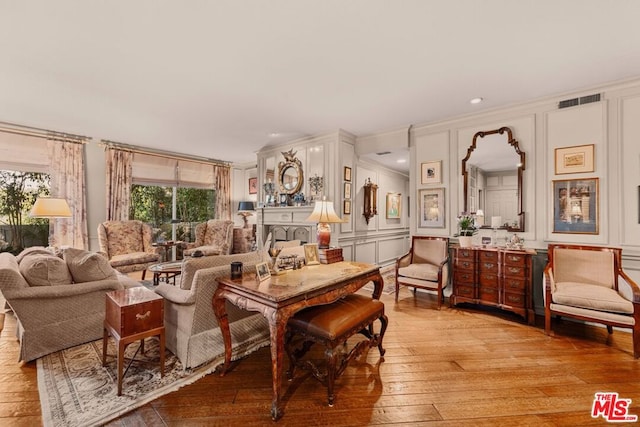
[(492, 171), (290, 175)]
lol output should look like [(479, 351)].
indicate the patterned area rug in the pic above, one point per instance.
[(389, 278), (75, 390)]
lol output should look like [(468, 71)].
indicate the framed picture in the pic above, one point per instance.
[(253, 185), (431, 208), (262, 271), (347, 173), (394, 201), (311, 254), (575, 206), (431, 172), (346, 207), (347, 190), (577, 159)]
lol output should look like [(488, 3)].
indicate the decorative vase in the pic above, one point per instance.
[(465, 241)]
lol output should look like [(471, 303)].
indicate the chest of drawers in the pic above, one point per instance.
[(494, 277)]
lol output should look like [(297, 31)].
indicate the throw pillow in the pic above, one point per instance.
[(45, 270), (88, 266), (33, 250)]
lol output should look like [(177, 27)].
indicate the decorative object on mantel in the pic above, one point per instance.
[(466, 229), (245, 209), (290, 176), (269, 191), (370, 200), (323, 213)]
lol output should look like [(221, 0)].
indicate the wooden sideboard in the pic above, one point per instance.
[(495, 277)]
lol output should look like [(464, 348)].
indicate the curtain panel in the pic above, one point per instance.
[(68, 182), (119, 179)]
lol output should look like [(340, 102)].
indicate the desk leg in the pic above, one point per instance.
[(277, 327), (223, 321)]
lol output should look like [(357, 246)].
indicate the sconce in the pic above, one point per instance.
[(370, 200)]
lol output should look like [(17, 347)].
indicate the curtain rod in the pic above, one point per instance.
[(161, 153), (42, 133)]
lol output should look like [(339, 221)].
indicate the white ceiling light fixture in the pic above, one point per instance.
[(401, 160), (477, 100)]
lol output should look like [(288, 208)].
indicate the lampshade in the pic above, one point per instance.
[(246, 206), (50, 207), (324, 212)]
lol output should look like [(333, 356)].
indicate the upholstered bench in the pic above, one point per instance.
[(332, 325)]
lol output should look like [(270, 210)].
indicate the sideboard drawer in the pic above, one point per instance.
[(464, 264), (514, 285), (465, 254), (488, 294), (514, 299), (463, 277), (514, 271), (515, 259), (464, 291)]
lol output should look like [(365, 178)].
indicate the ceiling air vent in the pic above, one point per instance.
[(383, 153), (579, 101)]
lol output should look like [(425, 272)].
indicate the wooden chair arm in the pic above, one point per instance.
[(632, 284), (404, 260)]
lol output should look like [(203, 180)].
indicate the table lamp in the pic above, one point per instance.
[(324, 214), (245, 209), (50, 207)]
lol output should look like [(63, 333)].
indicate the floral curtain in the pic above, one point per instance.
[(119, 181), (222, 176), (68, 182)]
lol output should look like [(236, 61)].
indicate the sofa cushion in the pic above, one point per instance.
[(10, 276), (593, 297), (34, 250), (45, 270), (86, 266)]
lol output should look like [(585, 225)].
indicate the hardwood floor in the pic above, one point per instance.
[(455, 367)]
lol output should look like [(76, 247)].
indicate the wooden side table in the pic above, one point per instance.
[(132, 314)]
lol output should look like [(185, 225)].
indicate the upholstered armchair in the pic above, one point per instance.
[(425, 266), (214, 237), (587, 283), (128, 245)]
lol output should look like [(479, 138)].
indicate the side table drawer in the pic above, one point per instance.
[(464, 291), (462, 276), (142, 317)]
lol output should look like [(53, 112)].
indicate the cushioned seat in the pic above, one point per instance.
[(588, 283), (331, 325), (214, 237)]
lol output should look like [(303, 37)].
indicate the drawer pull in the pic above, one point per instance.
[(488, 265), (143, 316), (515, 258), (466, 264)]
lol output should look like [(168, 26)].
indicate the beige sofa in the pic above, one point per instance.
[(58, 302), (192, 331)]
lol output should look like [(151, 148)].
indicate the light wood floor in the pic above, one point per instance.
[(455, 367)]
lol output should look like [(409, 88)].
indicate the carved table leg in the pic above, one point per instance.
[(223, 321), (277, 328)]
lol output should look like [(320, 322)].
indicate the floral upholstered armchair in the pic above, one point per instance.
[(214, 237), (128, 245)]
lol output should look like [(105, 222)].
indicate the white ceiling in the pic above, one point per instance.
[(216, 78)]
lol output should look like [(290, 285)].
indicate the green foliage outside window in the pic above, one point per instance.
[(153, 205)]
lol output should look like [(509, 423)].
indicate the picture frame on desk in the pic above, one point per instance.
[(262, 271), (311, 254)]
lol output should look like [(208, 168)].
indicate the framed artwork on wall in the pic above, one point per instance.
[(575, 206), (346, 207), (431, 208), (347, 190), (347, 173), (431, 172), (394, 203), (253, 185), (577, 159)]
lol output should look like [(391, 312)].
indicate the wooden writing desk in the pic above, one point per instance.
[(279, 297)]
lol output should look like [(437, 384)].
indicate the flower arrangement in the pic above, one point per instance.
[(466, 225)]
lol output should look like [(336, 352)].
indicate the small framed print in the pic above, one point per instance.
[(575, 206), (577, 159), (311, 254), (431, 206), (346, 207), (347, 173), (347, 190), (431, 172), (394, 201), (262, 271), (253, 185)]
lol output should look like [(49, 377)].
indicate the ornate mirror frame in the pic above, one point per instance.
[(512, 142), (291, 162)]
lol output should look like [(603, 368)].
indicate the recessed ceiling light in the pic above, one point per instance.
[(274, 134), (476, 100), (401, 160)]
